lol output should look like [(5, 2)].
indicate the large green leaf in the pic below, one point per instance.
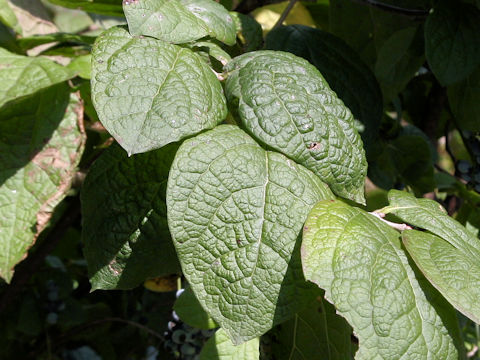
[(454, 272), (316, 333), (235, 212), (359, 261), (179, 21), (219, 347), (286, 103), (125, 228), (452, 43), (23, 75), (191, 312), (104, 7), (40, 147), (463, 98), (148, 93), (342, 68)]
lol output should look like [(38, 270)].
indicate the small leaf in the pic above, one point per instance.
[(179, 21), (40, 146), (82, 65), (431, 216), (30, 42), (148, 93), (463, 98), (452, 44), (316, 333), (191, 312), (104, 7), (235, 212), (125, 228), (23, 75), (454, 272), (360, 263), (286, 103), (342, 68), (8, 17), (219, 347)]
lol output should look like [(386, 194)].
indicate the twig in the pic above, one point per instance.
[(416, 13), (396, 226), (29, 266), (285, 13), (448, 149)]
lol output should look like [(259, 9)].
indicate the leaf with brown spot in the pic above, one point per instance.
[(41, 142)]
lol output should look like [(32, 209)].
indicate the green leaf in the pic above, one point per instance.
[(399, 58), (431, 216), (191, 312), (104, 7), (8, 17), (179, 21), (249, 31), (342, 68), (219, 347), (235, 212), (463, 98), (360, 263), (148, 93), (452, 44), (82, 65), (454, 272), (286, 103), (407, 158), (30, 42), (40, 147), (316, 333), (23, 75), (125, 228)]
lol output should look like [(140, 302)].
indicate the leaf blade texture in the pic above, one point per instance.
[(452, 45), (342, 68), (23, 75), (286, 103), (125, 229), (40, 147), (235, 212), (179, 21), (148, 93), (220, 347), (359, 262)]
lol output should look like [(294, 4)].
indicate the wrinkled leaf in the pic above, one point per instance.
[(431, 216), (23, 75), (125, 228), (463, 98), (219, 347), (179, 21), (286, 103), (104, 7), (454, 272), (8, 17), (148, 93), (191, 312), (342, 68), (360, 263), (40, 147), (316, 333), (452, 41), (235, 212)]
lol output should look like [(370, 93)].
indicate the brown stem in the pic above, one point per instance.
[(285, 13)]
